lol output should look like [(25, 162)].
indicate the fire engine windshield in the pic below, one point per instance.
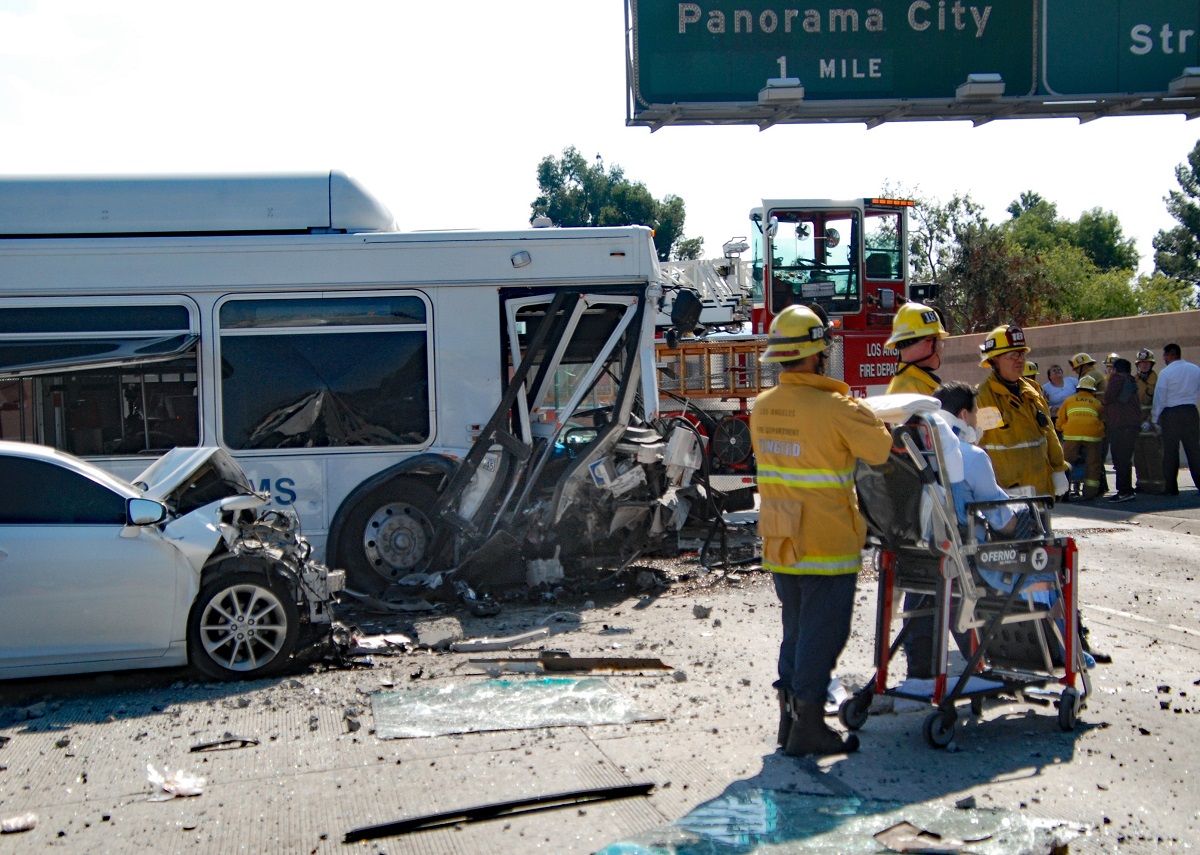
[(813, 258)]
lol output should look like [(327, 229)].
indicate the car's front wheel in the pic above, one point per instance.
[(243, 625)]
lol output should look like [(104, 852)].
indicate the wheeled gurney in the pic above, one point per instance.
[(1011, 604)]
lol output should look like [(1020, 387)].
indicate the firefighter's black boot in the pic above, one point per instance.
[(785, 715), (810, 735)]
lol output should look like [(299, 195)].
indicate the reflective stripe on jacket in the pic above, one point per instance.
[(1081, 418), (807, 434), (1023, 453)]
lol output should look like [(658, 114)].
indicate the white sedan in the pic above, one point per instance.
[(183, 565)]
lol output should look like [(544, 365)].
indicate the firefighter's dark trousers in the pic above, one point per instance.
[(817, 611)]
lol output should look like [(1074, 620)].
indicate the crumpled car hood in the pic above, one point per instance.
[(172, 476)]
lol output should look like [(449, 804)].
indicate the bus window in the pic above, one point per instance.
[(882, 245), (110, 378), (320, 372)]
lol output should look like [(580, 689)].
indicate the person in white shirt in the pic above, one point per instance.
[(1058, 388), (1175, 414)]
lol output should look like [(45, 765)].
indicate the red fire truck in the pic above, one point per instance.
[(850, 257)]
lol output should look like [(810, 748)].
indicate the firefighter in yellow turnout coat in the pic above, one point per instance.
[(1081, 421), (1024, 449), (917, 334), (807, 434)]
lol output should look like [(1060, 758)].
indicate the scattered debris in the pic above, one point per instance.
[(906, 837), (438, 633), (225, 742), (21, 822), (500, 643), (563, 662), (378, 606), (558, 660), (492, 811), (388, 643), (544, 571), (700, 611), (501, 705), (172, 784)]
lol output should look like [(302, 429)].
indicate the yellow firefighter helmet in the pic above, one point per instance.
[(796, 332), (1080, 360), (1031, 369), (915, 321), (1145, 355), (1088, 383), (1003, 339)]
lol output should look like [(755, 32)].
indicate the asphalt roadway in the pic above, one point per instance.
[(311, 765)]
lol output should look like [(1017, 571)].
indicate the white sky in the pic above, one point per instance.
[(443, 110)]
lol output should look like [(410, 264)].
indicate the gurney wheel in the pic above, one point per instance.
[(854, 710), (1068, 704), (939, 729)]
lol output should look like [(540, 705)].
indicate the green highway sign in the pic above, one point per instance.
[(765, 61), (1118, 45), (726, 51)]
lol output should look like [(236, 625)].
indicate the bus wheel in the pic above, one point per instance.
[(387, 535)]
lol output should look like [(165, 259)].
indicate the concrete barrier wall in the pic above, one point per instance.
[(1057, 344)]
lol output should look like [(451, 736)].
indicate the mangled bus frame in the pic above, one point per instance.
[(347, 366)]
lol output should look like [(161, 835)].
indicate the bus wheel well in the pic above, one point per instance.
[(385, 530)]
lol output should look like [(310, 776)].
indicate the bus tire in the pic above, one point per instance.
[(387, 535)]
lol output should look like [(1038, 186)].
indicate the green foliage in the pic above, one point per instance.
[(1177, 251), (932, 230), (1098, 233), (1085, 292), (577, 193), (1037, 227), (690, 249), (1159, 293), (991, 280)]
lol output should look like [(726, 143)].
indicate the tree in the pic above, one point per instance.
[(1177, 251), (1084, 291), (689, 249), (991, 281), (1035, 224), (577, 193), (1099, 234), (933, 233), (1159, 293)]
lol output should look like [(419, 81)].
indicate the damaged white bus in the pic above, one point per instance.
[(416, 398)]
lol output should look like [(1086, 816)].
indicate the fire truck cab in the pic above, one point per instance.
[(850, 257)]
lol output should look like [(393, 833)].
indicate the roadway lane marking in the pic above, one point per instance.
[(1182, 629)]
